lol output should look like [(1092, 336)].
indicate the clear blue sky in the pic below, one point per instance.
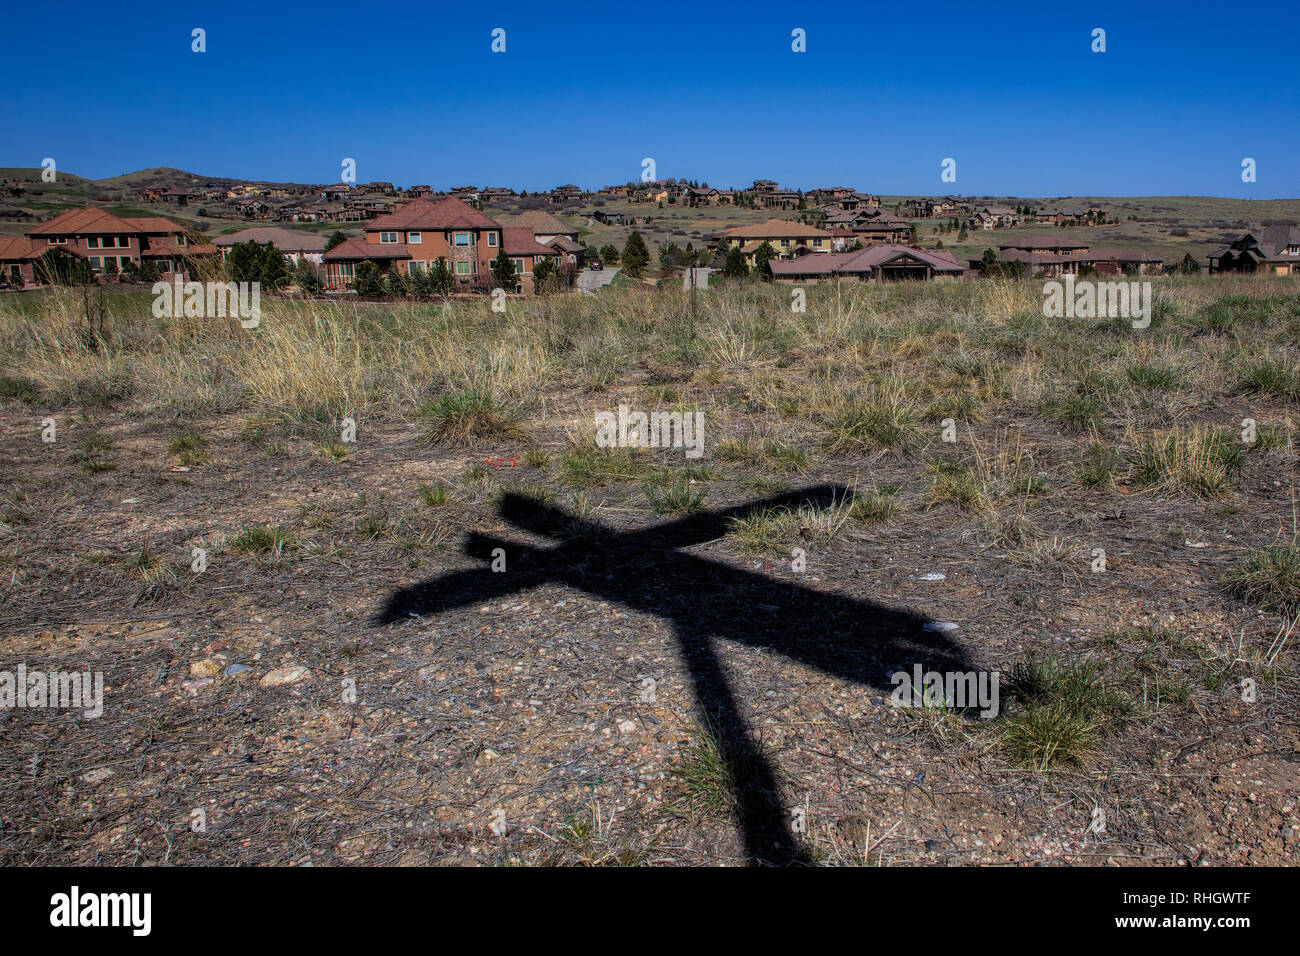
[(585, 90)]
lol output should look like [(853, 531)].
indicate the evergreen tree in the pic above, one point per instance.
[(635, 255), (544, 276), (334, 240), (736, 266), (503, 272), (763, 255), (608, 254)]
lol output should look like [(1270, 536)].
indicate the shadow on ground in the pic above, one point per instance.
[(647, 570)]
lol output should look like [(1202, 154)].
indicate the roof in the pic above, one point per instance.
[(1122, 255), (565, 244), (520, 241), (92, 219), (420, 214), (1044, 242), (20, 247), (358, 249), (542, 223), (868, 260), (169, 247), (774, 228), (287, 240)]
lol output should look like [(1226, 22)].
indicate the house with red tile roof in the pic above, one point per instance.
[(526, 253), (109, 242), (413, 237), (21, 260), (885, 263)]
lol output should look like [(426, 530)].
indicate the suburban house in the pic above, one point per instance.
[(110, 242), (1275, 249), (608, 218), (20, 259), (335, 193), (414, 237), (881, 229), (554, 232), (1046, 256), (1049, 245), (789, 239), (887, 263), (1061, 217), (295, 245), (525, 253), (993, 217), (565, 193), (1122, 262), (497, 194), (781, 199)]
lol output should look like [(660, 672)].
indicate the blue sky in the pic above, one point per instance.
[(585, 91)]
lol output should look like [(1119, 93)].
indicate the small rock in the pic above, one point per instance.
[(941, 627), (205, 668), (193, 686), (234, 670), (285, 675), (933, 576), (626, 726), (97, 775)]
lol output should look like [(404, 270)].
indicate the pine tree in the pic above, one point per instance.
[(503, 272), (736, 267), (635, 255)]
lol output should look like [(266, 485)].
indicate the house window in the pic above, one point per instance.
[(492, 239), (519, 266), (414, 238), (388, 237), (785, 243), (58, 240), (347, 270), (463, 268), (463, 239), (96, 263), (94, 242)]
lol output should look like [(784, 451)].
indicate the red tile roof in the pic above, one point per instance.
[(774, 229), (93, 220), (542, 223), (358, 249), (422, 214), (13, 248), (520, 241)]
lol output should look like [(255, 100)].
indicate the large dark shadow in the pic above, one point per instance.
[(647, 570)]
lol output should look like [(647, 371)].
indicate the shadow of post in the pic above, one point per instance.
[(648, 570)]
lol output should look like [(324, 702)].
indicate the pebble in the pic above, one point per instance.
[(941, 627), (933, 576), (285, 675), (205, 668)]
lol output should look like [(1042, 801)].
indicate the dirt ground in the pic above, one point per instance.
[(545, 715)]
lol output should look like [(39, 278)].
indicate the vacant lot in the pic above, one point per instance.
[(308, 655)]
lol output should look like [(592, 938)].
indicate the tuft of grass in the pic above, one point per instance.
[(95, 456), (434, 496), (1057, 712), (873, 507), (1152, 376), (1097, 466), (536, 458), (331, 450), (1269, 578), (871, 422), (463, 417), (1073, 413), (677, 497), (1199, 462), (1270, 377), (189, 448), (785, 457), (955, 484), (18, 388), (588, 466), (266, 540), (768, 530)]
